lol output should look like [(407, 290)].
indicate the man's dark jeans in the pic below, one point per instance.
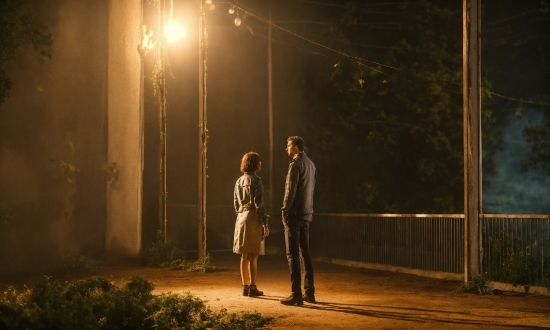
[(297, 240)]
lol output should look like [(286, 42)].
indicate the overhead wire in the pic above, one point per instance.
[(356, 59), (519, 100)]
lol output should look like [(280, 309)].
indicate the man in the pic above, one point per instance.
[(297, 215)]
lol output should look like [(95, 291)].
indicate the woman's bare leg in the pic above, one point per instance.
[(253, 260), (245, 269)]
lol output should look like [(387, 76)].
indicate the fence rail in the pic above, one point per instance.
[(434, 242), (425, 242), (516, 247), (431, 242)]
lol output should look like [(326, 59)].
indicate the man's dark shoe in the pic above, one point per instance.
[(254, 292), (292, 300), (309, 298), (245, 290)]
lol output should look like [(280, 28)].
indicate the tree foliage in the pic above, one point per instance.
[(19, 28), (539, 137), (516, 54), (386, 132)]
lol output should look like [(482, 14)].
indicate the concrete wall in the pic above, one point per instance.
[(125, 129), (53, 141)]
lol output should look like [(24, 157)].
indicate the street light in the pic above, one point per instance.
[(173, 31), (169, 31)]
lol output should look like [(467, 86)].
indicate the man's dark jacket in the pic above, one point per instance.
[(299, 187)]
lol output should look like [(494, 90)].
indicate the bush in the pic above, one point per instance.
[(509, 262), (96, 303), (79, 263), (520, 268), (164, 254), (202, 265), (546, 271), (477, 285)]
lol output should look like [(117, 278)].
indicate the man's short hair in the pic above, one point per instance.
[(297, 141), (250, 162)]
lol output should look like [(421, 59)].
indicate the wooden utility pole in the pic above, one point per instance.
[(203, 134), (270, 109), (471, 68), (161, 83)]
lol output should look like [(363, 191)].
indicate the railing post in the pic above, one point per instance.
[(472, 136)]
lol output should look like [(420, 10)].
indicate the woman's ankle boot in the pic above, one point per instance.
[(254, 292)]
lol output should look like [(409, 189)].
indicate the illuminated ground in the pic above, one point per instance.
[(350, 298)]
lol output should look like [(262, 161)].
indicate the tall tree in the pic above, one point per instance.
[(387, 119)]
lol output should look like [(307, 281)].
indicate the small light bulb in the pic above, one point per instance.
[(208, 2), (231, 11), (238, 21)]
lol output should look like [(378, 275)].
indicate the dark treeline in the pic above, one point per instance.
[(384, 99)]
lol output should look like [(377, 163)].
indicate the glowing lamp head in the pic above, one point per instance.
[(231, 11), (173, 31), (238, 21)]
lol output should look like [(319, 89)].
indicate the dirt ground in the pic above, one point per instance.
[(347, 297)]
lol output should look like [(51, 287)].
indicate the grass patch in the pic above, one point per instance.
[(96, 303)]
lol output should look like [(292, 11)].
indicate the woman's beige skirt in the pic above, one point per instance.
[(248, 236)]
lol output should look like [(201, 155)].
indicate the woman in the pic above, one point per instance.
[(251, 226)]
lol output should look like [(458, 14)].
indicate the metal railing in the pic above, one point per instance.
[(431, 242), (426, 242), (515, 247)]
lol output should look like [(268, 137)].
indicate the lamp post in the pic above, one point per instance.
[(168, 32), (161, 83)]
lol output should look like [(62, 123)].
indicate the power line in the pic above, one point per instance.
[(519, 100), (510, 18), (355, 59)]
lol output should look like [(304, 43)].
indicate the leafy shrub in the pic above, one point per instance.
[(79, 263), (95, 303), (509, 262), (164, 254), (202, 265), (478, 284), (546, 271), (520, 268)]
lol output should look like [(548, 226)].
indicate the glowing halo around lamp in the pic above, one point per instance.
[(173, 31)]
